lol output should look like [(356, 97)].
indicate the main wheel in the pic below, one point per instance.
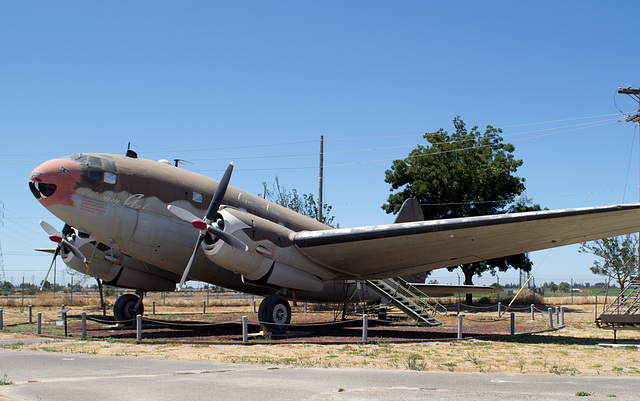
[(274, 314), (124, 309)]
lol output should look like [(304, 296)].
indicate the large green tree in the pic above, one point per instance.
[(460, 174), (618, 257)]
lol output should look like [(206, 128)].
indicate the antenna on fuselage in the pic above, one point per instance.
[(130, 153), (177, 161)]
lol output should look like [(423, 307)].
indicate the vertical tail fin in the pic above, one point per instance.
[(410, 211)]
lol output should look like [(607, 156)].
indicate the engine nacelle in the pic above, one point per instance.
[(115, 268), (254, 267)]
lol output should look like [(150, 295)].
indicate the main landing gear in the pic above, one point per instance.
[(274, 314), (128, 306)]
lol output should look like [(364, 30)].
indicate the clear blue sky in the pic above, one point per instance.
[(259, 83)]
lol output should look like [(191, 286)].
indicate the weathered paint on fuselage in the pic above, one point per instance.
[(123, 200)]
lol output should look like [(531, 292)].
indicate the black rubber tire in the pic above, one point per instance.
[(124, 308), (274, 314)]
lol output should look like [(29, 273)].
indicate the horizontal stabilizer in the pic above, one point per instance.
[(443, 290)]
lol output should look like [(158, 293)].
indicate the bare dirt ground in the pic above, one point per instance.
[(217, 336)]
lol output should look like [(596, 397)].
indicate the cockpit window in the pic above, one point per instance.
[(95, 174), (94, 161), (197, 197)]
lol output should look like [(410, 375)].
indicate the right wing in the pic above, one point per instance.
[(391, 250)]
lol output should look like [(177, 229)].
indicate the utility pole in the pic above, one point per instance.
[(635, 118), (321, 177)]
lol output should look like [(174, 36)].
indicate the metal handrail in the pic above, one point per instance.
[(422, 295)]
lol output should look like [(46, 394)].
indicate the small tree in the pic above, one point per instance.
[(619, 257), (305, 204)]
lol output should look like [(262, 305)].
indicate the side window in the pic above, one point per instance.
[(95, 174), (110, 178), (197, 197)]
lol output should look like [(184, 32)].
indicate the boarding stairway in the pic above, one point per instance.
[(408, 299), (624, 311)]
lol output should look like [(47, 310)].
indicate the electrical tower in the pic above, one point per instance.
[(2, 277)]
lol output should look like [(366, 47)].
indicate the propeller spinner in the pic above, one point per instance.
[(207, 224)]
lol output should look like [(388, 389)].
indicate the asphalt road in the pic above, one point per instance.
[(64, 377)]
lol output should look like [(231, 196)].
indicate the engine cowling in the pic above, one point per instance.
[(115, 268), (264, 261)]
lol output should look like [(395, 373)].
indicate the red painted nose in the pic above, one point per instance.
[(54, 181)]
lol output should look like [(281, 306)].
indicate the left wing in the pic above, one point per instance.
[(398, 249)]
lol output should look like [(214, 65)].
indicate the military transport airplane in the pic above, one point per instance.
[(137, 223)]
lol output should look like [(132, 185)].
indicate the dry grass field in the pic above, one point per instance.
[(572, 350)]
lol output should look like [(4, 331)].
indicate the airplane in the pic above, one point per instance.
[(136, 223)]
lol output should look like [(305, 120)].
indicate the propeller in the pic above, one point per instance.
[(207, 224), (60, 238)]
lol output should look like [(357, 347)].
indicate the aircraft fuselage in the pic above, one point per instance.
[(121, 202)]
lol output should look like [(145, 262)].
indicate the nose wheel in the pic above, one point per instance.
[(127, 307), (274, 314)]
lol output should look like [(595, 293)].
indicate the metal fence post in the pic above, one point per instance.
[(139, 328), (245, 330), (533, 312), (84, 325), (204, 307), (513, 323), (39, 330), (550, 310), (365, 324), (562, 316), (557, 316), (30, 314), (499, 309), (1, 319), (153, 307), (460, 325)]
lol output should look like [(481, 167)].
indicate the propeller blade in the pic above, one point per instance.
[(182, 214), (51, 230), (219, 194), (55, 255), (228, 238), (193, 256), (76, 252), (56, 236)]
